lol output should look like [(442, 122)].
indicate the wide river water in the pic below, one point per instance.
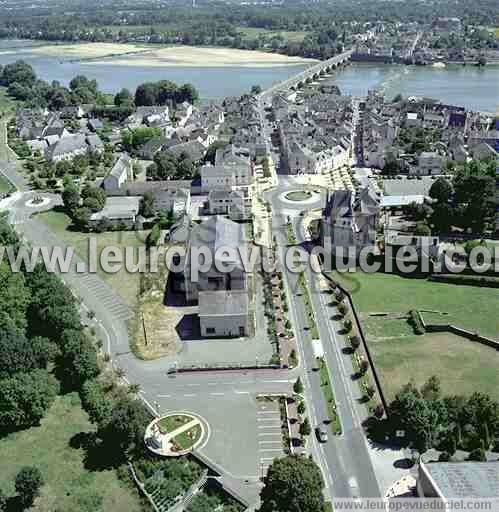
[(469, 86)]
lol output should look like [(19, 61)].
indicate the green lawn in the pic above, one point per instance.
[(471, 307), (126, 284), (253, 32), (68, 484), (171, 423), (188, 439), (5, 185), (463, 366), (327, 390)]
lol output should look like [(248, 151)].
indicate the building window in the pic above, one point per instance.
[(210, 330)]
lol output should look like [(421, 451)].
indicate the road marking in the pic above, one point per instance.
[(242, 392), (273, 450), (270, 442), (217, 394), (164, 396), (268, 412), (190, 395), (269, 426)]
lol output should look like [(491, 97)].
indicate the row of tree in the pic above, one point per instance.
[(428, 419), (44, 350)]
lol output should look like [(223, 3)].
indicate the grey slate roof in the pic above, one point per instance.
[(217, 232), (223, 303), (465, 479)]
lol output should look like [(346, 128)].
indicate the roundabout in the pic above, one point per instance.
[(298, 195), (176, 434)]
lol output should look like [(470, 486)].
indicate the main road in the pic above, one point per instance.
[(344, 459)]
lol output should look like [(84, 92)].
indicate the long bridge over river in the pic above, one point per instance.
[(313, 72)]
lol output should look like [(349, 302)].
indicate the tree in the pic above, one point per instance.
[(81, 217), (123, 98), (28, 483), (256, 89), (95, 402), (96, 195), (146, 94), (187, 92), (71, 197), (125, 429), (298, 386), (14, 296), (355, 341), (79, 358), (441, 190), (19, 72), (305, 429), (301, 407), (18, 354), (431, 389), (3, 501), (147, 205), (478, 455), (293, 484), (422, 229), (25, 397)]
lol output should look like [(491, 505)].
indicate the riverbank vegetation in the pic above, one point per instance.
[(317, 31)]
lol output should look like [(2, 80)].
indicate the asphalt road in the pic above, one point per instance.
[(344, 459)]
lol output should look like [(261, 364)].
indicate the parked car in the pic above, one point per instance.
[(321, 434)]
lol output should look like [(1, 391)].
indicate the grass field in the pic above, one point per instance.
[(5, 185), (124, 283), (68, 484), (253, 32), (463, 366)]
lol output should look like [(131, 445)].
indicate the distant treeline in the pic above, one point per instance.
[(325, 28)]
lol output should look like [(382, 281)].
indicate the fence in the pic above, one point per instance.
[(364, 341), (223, 367), (473, 336)]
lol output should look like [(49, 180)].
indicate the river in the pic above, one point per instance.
[(469, 86)]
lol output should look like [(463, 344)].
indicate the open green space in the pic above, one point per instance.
[(400, 355), (463, 366), (470, 307), (124, 283), (189, 438), (5, 185), (69, 485), (298, 195), (171, 423), (287, 35), (327, 390)]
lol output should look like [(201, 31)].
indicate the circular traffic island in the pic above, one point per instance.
[(298, 195), (176, 434)]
